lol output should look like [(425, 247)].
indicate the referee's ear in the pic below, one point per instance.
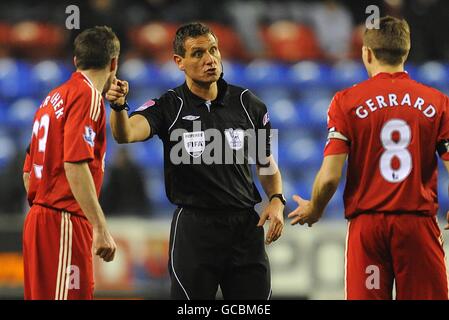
[(179, 62)]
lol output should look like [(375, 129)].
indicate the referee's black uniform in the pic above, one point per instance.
[(214, 239)]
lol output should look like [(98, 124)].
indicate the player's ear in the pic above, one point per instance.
[(179, 62), (367, 55), (114, 64), (74, 61)]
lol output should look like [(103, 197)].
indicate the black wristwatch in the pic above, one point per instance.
[(280, 196), (118, 108)]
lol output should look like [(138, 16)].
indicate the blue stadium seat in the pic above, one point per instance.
[(3, 113), (233, 72), (307, 74), (300, 149), (433, 73), (347, 73), (8, 149), (263, 73), (149, 153), (170, 76), (15, 79), (317, 109), (47, 75), (138, 73), (270, 95), (21, 112), (313, 112), (283, 114)]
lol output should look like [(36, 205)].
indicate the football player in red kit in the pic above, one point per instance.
[(389, 128), (63, 173)]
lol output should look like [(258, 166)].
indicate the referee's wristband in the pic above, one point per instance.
[(118, 108)]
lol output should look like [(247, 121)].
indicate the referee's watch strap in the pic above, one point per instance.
[(280, 196), (119, 108)]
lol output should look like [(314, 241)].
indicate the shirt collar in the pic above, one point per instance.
[(196, 101), (395, 75), (82, 76)]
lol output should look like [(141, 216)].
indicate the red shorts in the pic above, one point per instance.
[(57, 255), (404, 248)]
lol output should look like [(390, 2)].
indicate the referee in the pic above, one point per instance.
[(208, 128)]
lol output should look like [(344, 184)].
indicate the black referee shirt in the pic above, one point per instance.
[(200, 137)]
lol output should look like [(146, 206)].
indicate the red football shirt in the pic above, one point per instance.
[(69, 126), (390, 126)]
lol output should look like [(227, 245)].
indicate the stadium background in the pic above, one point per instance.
[(293, 54)]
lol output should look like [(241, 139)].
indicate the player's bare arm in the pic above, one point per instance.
[(274, 211), (26, 180), (324, 187), (83, 188), (125, 129), (446, 165)]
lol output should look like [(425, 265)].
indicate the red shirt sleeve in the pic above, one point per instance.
[(81, 125), (338, 139), (443, 132)]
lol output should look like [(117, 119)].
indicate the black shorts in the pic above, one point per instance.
[(211, 249)]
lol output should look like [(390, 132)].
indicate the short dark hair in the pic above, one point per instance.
[(189, 30), (95, 47), (391, 42)]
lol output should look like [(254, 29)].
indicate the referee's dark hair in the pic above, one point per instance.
[(95, 47), (189, 30)]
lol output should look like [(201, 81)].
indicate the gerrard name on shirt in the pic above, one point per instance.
[(394, 100)]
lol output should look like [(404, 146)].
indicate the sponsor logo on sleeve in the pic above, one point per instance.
[(146, 105), (89, 136), (266, 119)]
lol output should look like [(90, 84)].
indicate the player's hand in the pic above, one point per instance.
[(304, 213), (117, 92), (447, 218), (274, 212), (104, 245)]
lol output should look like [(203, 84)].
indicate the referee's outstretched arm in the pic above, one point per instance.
[(125, 129), (274, 211)]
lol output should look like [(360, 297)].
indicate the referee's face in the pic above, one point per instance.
[(202, 60)]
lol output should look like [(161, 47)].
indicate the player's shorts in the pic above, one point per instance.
[(403, 248), (209, 249), (57, 255)]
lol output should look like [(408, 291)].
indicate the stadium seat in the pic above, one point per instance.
[(8, 149), (14, 79), (170, 75), (21, 112), (233, 72), (299, 148), (229, 43), (345, 74), (357, 42), (154, 40), (48, 74), (265, 73), (283, 114), (290, 42), (134, 71), (309, 74), (433, 73), (38, 40), (5, 39)]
